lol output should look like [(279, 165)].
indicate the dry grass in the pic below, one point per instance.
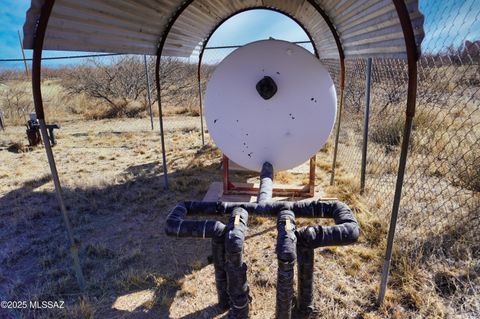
[(117, 206), (112, 176), (468, 174)]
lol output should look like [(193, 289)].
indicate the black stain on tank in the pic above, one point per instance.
[(215, 121)]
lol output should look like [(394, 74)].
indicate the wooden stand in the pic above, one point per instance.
[(231, 188)]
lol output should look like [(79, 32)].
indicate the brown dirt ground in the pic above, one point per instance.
[(113, 185)]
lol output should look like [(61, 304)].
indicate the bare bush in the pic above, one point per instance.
[(468, 174), (115, 84), (120, 84), (16, 102), (387, 133)]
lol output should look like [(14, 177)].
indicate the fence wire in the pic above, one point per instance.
[(439, 214)]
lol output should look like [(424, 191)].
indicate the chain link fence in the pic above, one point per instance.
[(439, 216), (97, 97), (439, 213)]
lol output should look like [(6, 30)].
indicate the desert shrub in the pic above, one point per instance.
[(16, 102), (467, 171), (387, 133), (120, 108), (119, 85), (391, 132)]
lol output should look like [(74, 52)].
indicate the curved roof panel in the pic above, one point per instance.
[(365, 27)]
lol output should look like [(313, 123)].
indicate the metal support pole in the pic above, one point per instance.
[(2, 125), (23, 53), (396, 206), (39, 37), (365, 124), (226, 174), (161, 44), (312, 175), (148, 90), (160, 119), (200, 98), (412, 58), (59, 193), (340, 109)]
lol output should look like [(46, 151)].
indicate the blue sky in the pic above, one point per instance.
[(449, 22), (240, 29), (446, 22)]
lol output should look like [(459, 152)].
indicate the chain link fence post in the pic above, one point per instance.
[(365, 124), (148, 91)]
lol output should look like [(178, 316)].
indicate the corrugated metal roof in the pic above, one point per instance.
[(365, 27)]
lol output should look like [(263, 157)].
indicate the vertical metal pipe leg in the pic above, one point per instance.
[(59, 193), (236, 268), (339, 121), (365, 125), (148, 91), (286, 254), (305, 259), (160, 119), (37, 99), (395, 208), (200, 99)]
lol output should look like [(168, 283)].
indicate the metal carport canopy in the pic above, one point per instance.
[(339, 29), (364, 27)]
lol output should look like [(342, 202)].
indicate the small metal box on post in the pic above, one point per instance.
[(33, 131)]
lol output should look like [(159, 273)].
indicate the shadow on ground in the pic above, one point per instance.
[(123, 248)]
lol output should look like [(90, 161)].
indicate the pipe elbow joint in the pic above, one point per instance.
[(307, 236), (175, 219), (352, 233)]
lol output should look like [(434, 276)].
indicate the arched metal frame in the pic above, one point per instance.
[(38, 103), (412, 58), (205, 42)]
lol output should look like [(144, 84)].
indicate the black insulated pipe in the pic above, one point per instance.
[(265, 190), (236, 268), (176, 225), (228, 258), (286, 255), (218, 258), (305, 258), (345, 232)]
